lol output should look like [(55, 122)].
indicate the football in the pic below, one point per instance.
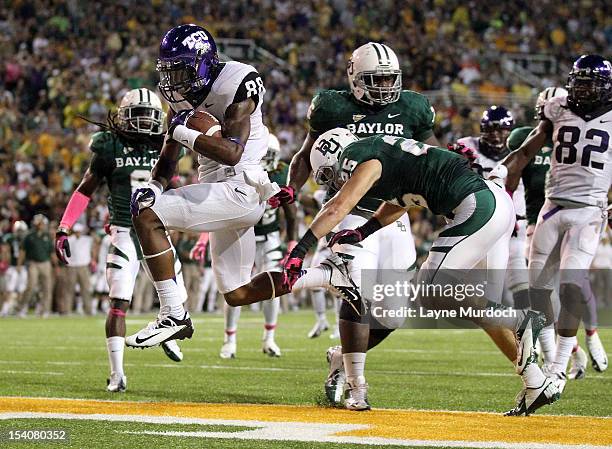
[(205, 123)]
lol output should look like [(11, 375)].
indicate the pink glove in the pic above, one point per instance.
[(286, 195), (62, 247), (292, 270), (198, 252), (350, 236), (290, 245)]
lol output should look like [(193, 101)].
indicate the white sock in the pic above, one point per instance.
[(170, 296), (318, 303), (231, 316), (115, 346), (533, 376), (312, 278), (230, 336), (564, 352), (354, 366), (270, 311), (547, 343)]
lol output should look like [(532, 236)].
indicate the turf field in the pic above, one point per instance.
[(257, 402)]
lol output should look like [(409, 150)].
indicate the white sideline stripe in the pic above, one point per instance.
[(46, 373), (282, 431), (292, 369)]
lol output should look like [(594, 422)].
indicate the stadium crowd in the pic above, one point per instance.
[(63, 59)]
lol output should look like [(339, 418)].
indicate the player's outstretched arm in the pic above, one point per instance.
[(388, 213), (300, 169), (518, 160), (334, 211)]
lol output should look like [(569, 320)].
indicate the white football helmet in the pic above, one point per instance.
[(368, 69), (547, 94), (20, 226), (140, 111), (326, 151), (270, 161)]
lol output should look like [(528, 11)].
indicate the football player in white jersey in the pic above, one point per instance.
[(570, 223), (233, 187), (490, 148)]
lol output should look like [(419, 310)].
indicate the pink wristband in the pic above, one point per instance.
[(76, 206)]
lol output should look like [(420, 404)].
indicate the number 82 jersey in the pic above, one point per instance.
[(581, 162)]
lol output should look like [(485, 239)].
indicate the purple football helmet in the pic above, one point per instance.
[(495, 126), (187, 61), (589, 84)]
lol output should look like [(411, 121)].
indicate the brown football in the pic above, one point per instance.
[(205, 123)]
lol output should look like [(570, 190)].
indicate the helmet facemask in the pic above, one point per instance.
[(586, 93), (178, 79), (326, 175), (271, 159), (141, 119), (381, 86)]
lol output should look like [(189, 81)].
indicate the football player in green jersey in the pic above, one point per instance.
[(374, 104), (480, 215), (123, 156), (534, 179), (16, 276)]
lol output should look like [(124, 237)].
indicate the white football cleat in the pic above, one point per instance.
[(270, 348), (116, 383), (164, 328), (341, 283), (599, 359), (578, 364), (527, 335), (172, 350), (531, 399), (318, 329), (228, 350), (356, 395), (334, 384)]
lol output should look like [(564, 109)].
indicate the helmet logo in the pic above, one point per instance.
[(349, 67), (330, 146), (197, 40)]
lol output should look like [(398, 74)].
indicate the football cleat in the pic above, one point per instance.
[(527, 335), (228, 350), (270, 348), (318, 329), (559, 379), (578, 364), (531, 399), (163, 329), (172, 350), (334, 384), (599, 359), (116, 383), (341, 283), (356, 395)]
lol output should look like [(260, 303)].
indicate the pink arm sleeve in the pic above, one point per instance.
[(76, 206)]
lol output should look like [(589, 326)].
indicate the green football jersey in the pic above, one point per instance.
[(411, 117), (413, 173), (124, 169), (270, 220), (15, 243), (534, 174)]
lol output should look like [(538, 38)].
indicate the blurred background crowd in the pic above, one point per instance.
[(62, 59)]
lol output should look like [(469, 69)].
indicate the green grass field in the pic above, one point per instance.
[(414, 369)]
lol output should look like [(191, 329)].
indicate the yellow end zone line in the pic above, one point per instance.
[(386, 423)]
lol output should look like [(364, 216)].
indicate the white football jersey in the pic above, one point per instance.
[(234, 79), (489, 164), (581, 162)]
